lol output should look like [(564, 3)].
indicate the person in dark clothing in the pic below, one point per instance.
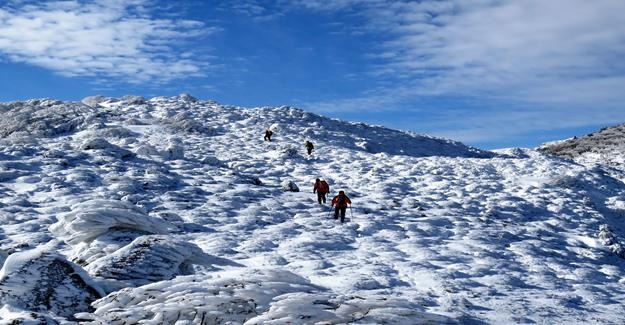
[(321, 188), (309, 147), (268, 134), (340, 203)]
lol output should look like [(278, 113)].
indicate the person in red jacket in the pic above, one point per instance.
[(321, 188), (340, 203)]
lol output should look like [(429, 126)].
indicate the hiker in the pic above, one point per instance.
[(268, 134), (340, 203), (321, 188), (309, 147)]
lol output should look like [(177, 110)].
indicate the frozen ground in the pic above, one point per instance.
[(122, 211)]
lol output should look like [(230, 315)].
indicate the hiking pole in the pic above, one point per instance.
[(351, 213)]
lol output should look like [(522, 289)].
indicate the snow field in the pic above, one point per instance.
[(177, 209)]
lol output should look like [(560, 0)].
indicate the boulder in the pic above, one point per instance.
[(289, 186), (152, 258), (45, 282), (93, 218)]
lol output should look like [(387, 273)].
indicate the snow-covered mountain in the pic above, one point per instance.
[(174, 210), (605, 147)]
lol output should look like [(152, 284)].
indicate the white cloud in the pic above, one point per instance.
[(103, 38), (506, 48), (559, 62), (500, 47)]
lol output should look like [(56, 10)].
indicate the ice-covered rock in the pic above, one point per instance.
[(151, 258), (44, 118), (187, 98), (173, 151), (182, 122), (221, 298), (251, 179), (97, 143), (289, 152), (251, 297), (133, 100), (85, 253), (213, 161), (189, 117), (324, 308), (54, 153), (93, 101), (106, 147), (147, 150), (90, 219), (289, 186), (41, 281), (116, 132), (520, 153), (160, 179)]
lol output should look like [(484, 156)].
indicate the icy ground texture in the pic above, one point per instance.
[(116, 211)]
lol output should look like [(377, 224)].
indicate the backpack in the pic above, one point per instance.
[(340, 202), (324, 187)]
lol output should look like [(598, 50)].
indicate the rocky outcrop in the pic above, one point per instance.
[(45, 282)]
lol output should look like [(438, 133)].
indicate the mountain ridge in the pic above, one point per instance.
[(605, 147)]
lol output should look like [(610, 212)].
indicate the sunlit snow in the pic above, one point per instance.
[(174, 210)]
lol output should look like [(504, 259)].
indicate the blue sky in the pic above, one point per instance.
[(490, 73)]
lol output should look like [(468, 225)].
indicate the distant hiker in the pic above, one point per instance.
[(321, 188), (340, 203), (309, 147), (268, 134)]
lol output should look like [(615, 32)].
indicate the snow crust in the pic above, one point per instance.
[(174, 210)]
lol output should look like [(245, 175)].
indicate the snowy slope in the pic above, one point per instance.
[(605, 147), (173, 209)]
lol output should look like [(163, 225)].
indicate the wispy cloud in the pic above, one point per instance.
[(259, 11), (112, 39), (495, 47), (561, 59), (507, 48)]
